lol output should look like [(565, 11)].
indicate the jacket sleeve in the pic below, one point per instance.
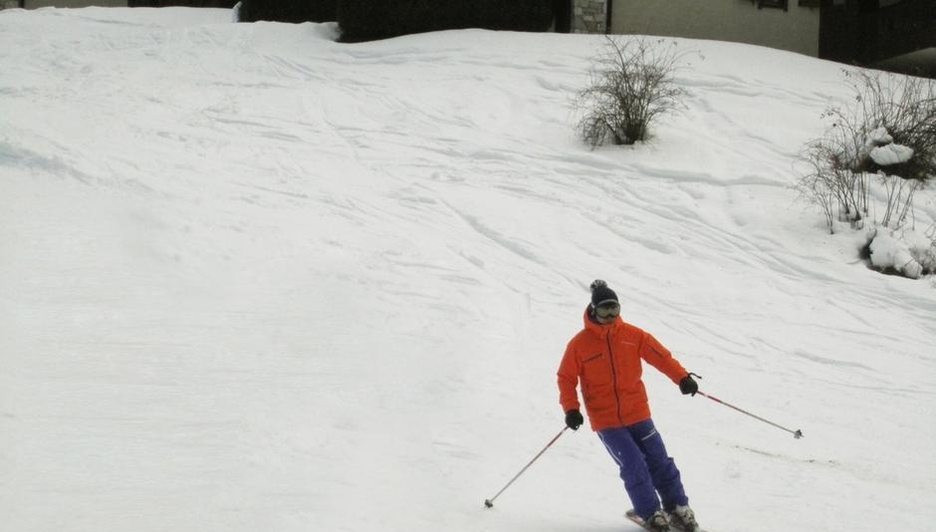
[(659, 357), (568, 380)]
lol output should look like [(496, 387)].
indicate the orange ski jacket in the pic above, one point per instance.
[(606, 361)]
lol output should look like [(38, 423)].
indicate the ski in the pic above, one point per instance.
[(632, 515)]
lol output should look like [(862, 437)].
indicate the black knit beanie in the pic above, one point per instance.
[(601, 293)]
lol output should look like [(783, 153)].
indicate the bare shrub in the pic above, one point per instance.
[(832, 183), (631, 84), (899, 201), (881, 147), (889, 131), (906, 107)]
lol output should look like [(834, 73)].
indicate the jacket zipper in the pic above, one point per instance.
[(617, 396)]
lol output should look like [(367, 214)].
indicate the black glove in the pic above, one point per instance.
[(688, 385), (574, 419)]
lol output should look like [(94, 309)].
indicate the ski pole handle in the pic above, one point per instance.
[(796, 433)]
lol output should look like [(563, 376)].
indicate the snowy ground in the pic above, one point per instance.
[(253, 280)]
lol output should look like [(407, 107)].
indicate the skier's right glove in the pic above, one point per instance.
[(574, 419)]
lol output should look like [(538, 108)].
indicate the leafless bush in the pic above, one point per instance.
[(832, 182), (631, 84), (888, 131), (899, 202), (906, 107)]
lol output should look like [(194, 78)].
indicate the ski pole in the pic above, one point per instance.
[(796, 433), (488, 503)]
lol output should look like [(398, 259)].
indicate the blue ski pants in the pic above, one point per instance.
[(646, 468)]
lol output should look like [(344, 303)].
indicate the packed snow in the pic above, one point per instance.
[(254, 279)]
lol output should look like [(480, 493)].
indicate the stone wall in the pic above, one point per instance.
[(589, 16)]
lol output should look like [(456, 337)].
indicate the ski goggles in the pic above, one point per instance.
[(610, 309)]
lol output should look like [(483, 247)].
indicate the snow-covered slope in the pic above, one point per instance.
[(252, 279)]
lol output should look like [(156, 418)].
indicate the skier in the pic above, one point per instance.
[(605, 358)]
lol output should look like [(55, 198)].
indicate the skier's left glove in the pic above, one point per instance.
[(688, 385)]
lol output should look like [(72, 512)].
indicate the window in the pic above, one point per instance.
[(779, 4)]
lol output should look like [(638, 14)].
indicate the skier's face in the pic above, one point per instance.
[(607, 312)]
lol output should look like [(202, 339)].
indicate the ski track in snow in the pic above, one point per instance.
[(254, 279)]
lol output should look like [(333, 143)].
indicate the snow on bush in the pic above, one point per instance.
[(904, 252), (865, 171), (898, 250), (891, 154), (878, 137)]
